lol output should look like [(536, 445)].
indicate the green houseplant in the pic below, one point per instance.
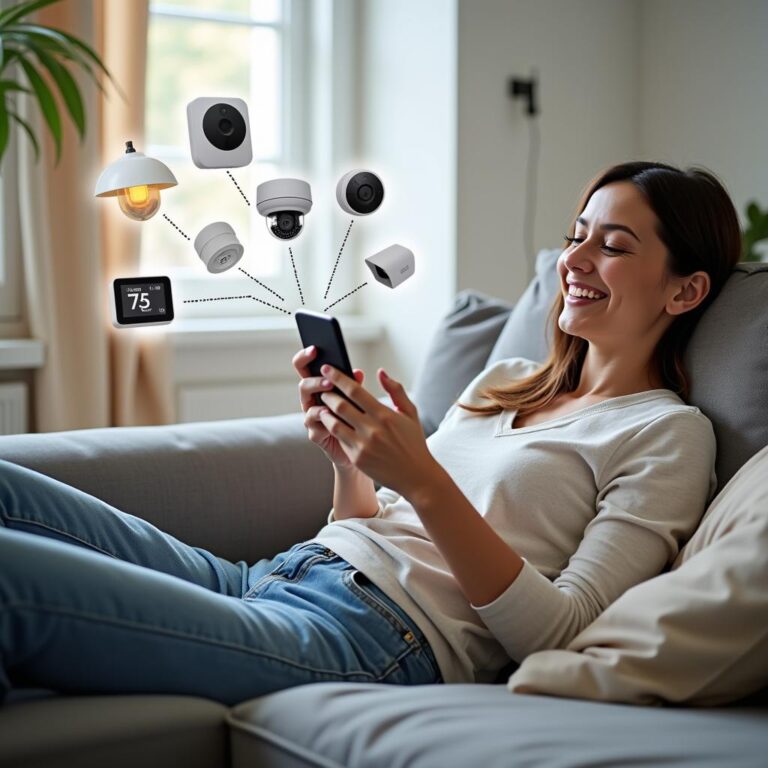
[(43, 56), (757, 230)]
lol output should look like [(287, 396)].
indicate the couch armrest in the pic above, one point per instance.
[(243, 488)]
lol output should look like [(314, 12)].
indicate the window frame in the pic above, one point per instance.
[(295, 23)]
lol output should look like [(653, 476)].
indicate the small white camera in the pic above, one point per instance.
[(284, 202), (392, 266), (218, 247), (359, 192), (219, 132)]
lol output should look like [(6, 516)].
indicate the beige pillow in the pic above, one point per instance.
[(697, 634)]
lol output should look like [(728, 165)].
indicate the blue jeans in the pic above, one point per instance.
[(94, 600)]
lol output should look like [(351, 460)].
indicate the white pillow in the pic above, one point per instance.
[(696, 634)]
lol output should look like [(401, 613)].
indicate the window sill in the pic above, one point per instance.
[(194, 332), (221, 368), (21, 354)]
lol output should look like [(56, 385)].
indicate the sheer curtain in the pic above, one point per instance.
[(73, 244)]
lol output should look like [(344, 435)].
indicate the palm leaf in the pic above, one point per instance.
[(28, 128), (68, 89), (46, 101), (93, 56), (3, 129), (36, 38), (9, 85), (9, 15)]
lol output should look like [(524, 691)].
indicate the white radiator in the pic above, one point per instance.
[(13, 408)]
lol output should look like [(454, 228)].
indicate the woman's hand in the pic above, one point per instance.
[(308, 387), (387, 445)]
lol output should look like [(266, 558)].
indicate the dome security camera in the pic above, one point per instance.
[(218, 247), (284, 202), (359, 192)]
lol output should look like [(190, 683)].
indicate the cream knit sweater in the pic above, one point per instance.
[(594, 502)]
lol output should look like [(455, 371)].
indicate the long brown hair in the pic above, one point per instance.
[(700, 228)]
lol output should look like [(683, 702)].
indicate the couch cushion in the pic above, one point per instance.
[(695, 635), (726, 358), (115, 731), (525, 333), (458, 350), (229, 486), (367, 725)]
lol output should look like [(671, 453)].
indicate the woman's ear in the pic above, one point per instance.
[(689, 293)]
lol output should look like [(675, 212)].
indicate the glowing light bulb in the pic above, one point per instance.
[(139, 203), (135, 180)]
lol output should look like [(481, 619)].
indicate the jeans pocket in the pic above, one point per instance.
[(294, 564), (364, 588), (413, 652)]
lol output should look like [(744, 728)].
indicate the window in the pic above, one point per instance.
[(254, 50)]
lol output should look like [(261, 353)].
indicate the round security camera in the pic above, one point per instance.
[(359, 192), (218, 247), (224, 126), (283, 202)]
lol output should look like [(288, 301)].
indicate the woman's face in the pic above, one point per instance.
[(616, 252)]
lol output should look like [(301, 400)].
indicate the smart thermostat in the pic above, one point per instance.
[(141, 301)]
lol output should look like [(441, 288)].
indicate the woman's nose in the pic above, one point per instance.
[(578, 258)]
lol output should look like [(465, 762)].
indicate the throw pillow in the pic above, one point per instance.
[(525, 333), (697, 634), (457, 353)]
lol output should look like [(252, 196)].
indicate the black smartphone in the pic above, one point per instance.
[(324, 332)]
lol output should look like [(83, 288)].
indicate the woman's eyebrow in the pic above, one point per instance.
[(622, 227)]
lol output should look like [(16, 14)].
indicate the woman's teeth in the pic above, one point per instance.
[(584, 294)]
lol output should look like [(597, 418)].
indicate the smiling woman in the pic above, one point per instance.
[(654, 245)]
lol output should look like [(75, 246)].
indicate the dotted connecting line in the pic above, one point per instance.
[(272, 305), (238, 189), (344, 296), (261, 284), (174, 226), (325, 296), (218, 298), (232, 298), (296, 275)]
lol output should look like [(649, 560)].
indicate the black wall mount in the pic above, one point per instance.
[(525, 88)]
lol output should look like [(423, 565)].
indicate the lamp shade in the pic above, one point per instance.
[(133, 169)]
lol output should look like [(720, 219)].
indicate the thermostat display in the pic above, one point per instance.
[(142, 301)]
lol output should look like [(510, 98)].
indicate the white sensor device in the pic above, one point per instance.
[(392, 266), (219, 132), (218, 247)]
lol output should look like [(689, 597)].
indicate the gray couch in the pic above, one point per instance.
[(250, 488)]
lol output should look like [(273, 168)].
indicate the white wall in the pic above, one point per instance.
[(407, 131), (586, 53), (705, 90)]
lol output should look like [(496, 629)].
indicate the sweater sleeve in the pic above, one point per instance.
[(384, 496), (651, 495)]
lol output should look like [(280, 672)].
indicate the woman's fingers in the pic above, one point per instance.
[(302, 359), (311, 386)]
